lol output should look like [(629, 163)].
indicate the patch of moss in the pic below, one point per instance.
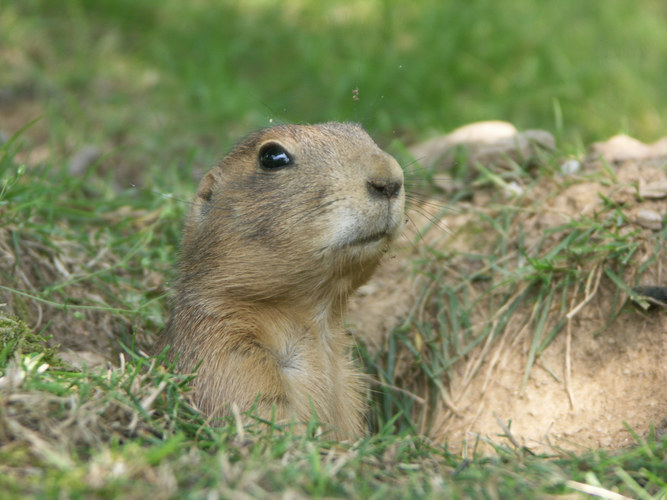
[(15, 335)]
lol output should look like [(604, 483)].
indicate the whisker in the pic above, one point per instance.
[(417, 231), (453, 166), (434, 222), (414, 162), (163, 195), (314, 211), (416, 201), (434, 179)]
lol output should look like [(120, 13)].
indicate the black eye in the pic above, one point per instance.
[(274, 156)]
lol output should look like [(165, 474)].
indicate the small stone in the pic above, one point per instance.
[(513, 189), (81, 359), (649, 219), (653, 190), (570, 167), (541, 138), (483, 132), (490, 143), (622, 148)]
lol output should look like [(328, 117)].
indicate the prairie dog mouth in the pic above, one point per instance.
[(365, 230), (371, 238)]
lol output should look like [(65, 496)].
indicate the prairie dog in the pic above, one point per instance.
[(280, 233)]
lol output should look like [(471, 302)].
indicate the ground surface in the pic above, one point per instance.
[(598, 376), (120, 107), (464, 328)]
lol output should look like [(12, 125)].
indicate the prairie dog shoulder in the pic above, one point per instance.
[(293, 219)]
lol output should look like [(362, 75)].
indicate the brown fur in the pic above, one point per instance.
[(269, 258)]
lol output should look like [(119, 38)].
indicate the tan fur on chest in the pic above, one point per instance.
[(298, 370), (271, 251)]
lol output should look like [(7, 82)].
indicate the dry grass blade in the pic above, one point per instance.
[(592, 284), (595, 491)]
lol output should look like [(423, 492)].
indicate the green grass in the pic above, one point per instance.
[(205, 73), (130, 432), (163, 89)]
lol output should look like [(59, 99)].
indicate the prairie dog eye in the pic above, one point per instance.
[(273, 156)]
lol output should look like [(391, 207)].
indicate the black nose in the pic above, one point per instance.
[(383, 188)]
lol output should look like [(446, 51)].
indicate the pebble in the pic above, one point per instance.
[(649, 219)]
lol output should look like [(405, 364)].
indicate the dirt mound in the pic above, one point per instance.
[(577, 368)]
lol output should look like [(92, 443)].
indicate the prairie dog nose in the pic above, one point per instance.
[(385, 179), (384, 188)]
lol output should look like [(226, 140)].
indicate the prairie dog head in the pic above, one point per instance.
[(294, 212)]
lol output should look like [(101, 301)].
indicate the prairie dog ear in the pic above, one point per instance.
[(205, 189), (201, 205)]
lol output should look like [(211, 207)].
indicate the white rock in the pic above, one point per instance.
[(570, 167), (488, 143), (621, 148), (649, 219)]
